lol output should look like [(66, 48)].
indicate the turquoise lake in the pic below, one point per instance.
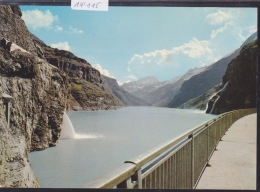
[(105, 139)]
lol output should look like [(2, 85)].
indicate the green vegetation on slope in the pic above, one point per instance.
[(91, 96), (201, 101)]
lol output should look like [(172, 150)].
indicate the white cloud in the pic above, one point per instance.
[(216, 32), (128, 78), (103, 71), (131, 77), (37, 19), (61, 46), (219, 17), (75, 30), (158, 57), (192, 49), (58, 28)]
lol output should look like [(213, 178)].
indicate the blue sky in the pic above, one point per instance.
[(129, 43)]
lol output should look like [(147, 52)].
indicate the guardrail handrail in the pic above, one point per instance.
[(149, 155), (130, 174)]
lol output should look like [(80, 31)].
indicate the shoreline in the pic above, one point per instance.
[(94, 108)]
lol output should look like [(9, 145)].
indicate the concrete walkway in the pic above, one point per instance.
[(233, 164)]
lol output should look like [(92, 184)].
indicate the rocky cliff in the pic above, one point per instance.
[(87, 91), (42, 83), (240, 81), (39, 94), (13, 28)]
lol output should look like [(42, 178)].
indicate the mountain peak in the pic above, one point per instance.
[(148, 80), (194, 71), (140, 84)]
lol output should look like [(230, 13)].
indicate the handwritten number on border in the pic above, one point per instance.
[(91, 5)]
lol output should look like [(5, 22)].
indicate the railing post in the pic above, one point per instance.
[(139, 179), (131, 182), (208, 143), (126, 184), (192, 160)]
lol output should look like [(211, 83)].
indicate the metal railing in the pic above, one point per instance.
[(177, 164)]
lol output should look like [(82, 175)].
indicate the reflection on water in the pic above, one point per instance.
[(86, 136)]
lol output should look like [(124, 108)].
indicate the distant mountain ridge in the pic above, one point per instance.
[(139, 84), (202, 101), (199, 84), (118, 92), (175, 93), (157, 93), (212, 76), (166, 92)]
